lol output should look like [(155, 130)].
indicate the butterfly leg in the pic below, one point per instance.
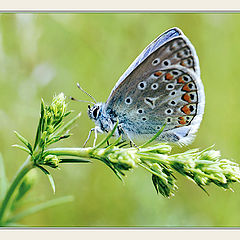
[(96, 130), (133, 143), (95, 138), (89, 135), (121, 131)]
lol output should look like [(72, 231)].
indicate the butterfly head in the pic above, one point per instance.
[(94, 112)]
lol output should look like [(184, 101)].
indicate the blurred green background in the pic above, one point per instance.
[(44, 54)]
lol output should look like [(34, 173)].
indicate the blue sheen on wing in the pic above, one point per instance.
[(152, 47)]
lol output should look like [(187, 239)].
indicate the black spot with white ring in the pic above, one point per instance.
[(186, 52), (154, 86), (172, 93), (189, 61), (190, 85), (168, 119), (172, 103), (180, 43), (140, 111), (170, 86), (142, 85), (169, 111), (176, 73), (156, 61), (191, 107), (128, 100), (166, 63), (186, 78)]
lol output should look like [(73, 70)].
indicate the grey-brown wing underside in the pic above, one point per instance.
[(165, 87)]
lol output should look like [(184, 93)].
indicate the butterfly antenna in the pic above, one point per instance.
[(78, 85), (74, 99)]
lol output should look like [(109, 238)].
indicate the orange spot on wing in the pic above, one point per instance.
[(180, 80), (183, 63), (186, 88), (157, 74), (186, 109), (169, 76), (182, 120), (186, 97)]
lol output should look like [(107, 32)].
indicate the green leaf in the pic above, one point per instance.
[(155, 182), (40, 125), (57, 139), (67, 113), (50, 178), (40, 207), (22, 148), (65, 127), (3, 178), (117, 172), (110, 134), (74, 160), (150, 170), (154, 137), (122, 143), (160, 186), (24, 141), (114, 143)]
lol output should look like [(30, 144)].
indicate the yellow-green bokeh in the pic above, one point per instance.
[(44, 54)]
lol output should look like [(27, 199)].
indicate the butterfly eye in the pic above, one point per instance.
[(95, 112)]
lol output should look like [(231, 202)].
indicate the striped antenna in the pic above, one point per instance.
[(78, 85), (74, 99)]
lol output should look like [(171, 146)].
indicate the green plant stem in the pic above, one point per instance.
[(39, 207), (74, 152), (25, 168)]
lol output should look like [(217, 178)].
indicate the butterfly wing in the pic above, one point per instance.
[(162, 85), (154, 45)]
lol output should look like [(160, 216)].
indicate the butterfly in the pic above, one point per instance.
[(161, 87)]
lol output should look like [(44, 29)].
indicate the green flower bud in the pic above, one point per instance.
[(124, 159), (210, 155), (58, 106), (51, 161), (43, 139), (163, 181), (157, 148)]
